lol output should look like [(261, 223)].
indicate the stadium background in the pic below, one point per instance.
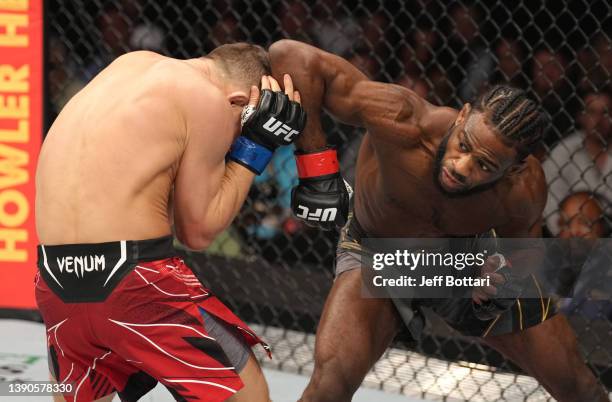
[(274, 272)]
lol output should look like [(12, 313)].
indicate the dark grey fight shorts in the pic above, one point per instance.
[(456, 312)]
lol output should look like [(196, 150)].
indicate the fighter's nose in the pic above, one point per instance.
[(461, 169)]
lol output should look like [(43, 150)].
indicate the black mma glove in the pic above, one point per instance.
[(507, 293), (276, 121), (322, 197)]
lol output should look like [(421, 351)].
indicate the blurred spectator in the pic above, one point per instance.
[(418, 55), (416, 84), (548, 71), (582, 216), (596, 62), (583, 160), (114, 28), (467, 59), (442, 90), (226, 30), (553, 88), (267, 226), (373, 27), (147, 37), (281, 174), (63, 79), (295, 20), (363, 60), (334, 27), (510, 55), (584, 270), (465, 21), (416, 58)]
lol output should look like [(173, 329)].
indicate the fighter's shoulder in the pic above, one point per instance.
[(393, 111), (528, 188), (185, 85), (435, 120), (178, 73)]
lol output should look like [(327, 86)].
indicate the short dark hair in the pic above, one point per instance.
[(243, 62), (514, 116)]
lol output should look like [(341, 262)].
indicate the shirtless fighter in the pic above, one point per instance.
[(423, 171), (146, 140)]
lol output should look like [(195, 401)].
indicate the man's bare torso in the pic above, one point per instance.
[(396, 195), (108, 163)]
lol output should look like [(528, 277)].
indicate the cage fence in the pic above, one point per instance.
[(275, 272)]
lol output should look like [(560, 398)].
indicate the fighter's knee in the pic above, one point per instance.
[(255, 384)]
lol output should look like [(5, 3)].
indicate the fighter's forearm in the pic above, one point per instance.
[(228, 200), (324, 81), (288, 57), (197, 227)]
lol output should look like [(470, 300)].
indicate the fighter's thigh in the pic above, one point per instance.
[(540, 345), (549, 352), (255, 385), (354, 331)]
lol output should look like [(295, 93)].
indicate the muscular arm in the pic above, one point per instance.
[(524, 207), (328, 81), (208, 191)]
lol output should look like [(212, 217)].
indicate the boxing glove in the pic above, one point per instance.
[(274, 122), (321, 198)]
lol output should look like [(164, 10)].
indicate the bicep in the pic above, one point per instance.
[(329, 81), (386, 110)]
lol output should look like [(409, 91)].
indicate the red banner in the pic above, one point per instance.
[(21, 89)]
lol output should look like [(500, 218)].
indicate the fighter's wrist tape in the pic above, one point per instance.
[(251, 155), (317, 163)]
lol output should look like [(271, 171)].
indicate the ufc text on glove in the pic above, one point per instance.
[(276, 121)]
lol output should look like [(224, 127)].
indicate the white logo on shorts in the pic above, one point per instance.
[(80, 265), (278, 128), (319, 215)]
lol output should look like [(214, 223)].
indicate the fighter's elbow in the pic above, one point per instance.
[(289, 51), (194, 238), (282, 48), (198, 243)]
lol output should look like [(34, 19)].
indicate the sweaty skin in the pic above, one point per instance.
[(395, 192), (398, 194), (145, 125), (144, 143)]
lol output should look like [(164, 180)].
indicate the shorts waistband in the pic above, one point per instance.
[(135, 250), (357, 232), (89, 272)]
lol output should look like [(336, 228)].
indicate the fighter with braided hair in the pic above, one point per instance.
[(424, 171)]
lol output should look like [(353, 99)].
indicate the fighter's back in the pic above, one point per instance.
[(107, 164)]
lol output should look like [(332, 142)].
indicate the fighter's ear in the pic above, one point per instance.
[(463, 113), (238, 98)]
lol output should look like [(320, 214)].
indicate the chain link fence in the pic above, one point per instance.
[(274, 272)]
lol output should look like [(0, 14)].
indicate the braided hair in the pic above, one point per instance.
[(514, 116)]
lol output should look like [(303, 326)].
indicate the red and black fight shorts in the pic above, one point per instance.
[(121, 316)]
